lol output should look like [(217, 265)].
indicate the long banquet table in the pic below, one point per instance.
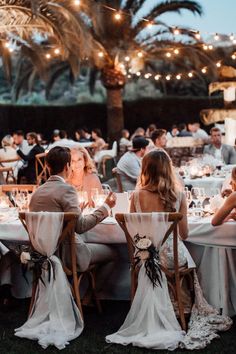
[(212, 248)]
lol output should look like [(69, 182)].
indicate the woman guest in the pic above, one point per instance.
[(227, 211), (98, 142), (8, 152), (83, 176)]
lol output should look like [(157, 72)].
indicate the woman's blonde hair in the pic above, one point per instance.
[(157, 176), (88, 162), (233, 175), (7, 141)]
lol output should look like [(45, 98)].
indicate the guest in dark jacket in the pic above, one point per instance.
[(27, 172)]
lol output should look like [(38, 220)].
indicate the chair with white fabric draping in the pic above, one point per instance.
[(54, 318), (151, 321)]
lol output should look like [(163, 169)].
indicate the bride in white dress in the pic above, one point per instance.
[(151, 321)]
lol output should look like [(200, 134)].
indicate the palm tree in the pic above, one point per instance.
[(109, 36)]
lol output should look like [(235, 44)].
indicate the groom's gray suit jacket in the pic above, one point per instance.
[(228, 153)]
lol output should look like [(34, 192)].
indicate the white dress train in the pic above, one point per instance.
[(151, 321)]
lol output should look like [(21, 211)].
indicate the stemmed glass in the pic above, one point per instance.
[(188, 197), (198, 195)]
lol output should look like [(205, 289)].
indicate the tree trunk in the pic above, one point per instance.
[(115, 117)]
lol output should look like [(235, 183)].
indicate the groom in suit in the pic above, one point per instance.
[(56, 195)]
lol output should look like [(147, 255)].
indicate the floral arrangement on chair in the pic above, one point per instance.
[(146, 252)]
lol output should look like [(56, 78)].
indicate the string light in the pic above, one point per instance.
[(77, 2), (210, 47), (198, 36), (48, 56), (150, 24), (205, 47), (216, 37), (168, 54), (231, 37), (233, 56), (157, 77), (127, 58), (176, 31), (140, 54), (138, 73), (190, 74), (178, 77), (57, 51), (204, 70), (176, 51), (117, 16), (218, 64), (168, 77), (101, 54)]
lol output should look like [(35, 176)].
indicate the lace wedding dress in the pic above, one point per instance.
[(151, 321)]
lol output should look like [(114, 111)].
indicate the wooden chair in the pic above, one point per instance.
[(8, 169), (117, 177), (41, 169), (68, 234), (174, 277), (20, 187)]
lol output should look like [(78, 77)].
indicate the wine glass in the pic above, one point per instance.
[(188, 197), (198, 195), (82, 197)]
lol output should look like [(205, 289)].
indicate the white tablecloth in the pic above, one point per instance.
[(207, 183), (212, 248)]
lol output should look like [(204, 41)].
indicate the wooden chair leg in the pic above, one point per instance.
[(180, 305), (76, 286), (93, 285), (34, 289)]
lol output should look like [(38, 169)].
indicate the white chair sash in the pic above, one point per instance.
[(55, 318)]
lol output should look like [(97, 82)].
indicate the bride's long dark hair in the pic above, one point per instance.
[(157, 175)]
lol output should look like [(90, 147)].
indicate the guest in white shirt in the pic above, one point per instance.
[(129, 165), (20, 142), (63, 141), (197, 132)]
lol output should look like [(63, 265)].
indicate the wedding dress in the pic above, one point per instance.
[(151, 321)]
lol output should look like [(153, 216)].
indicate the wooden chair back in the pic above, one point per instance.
[(20, 187), (41, 169), (117, 177), (174, 219), (70, 268), (68, 232)]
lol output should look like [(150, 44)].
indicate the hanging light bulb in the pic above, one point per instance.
[(168, 77), (127, 58), (10, 50), (205, 47), (57, 51), (77, 2), (149, 24), (140, 54), (157, 77), (129, 76), (190, 74), (204, 70), (210, 47), (101, 54), (216, 37), (233, 56), (168, 54), (218, 64), (231, 37), (138, 73), (197, 35), (176, 51), (146, 76), (48, 56), (6, 44), (178, 77)]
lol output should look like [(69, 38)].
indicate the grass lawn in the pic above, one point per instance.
[(92, 340)]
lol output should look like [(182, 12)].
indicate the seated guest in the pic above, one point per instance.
[(85, 135), (227, 211), (79, 136), (129, 165), (222, 152), (124, 143), (83, 176), (150, 129), (197, 132), (27, 172), (98, 142), (138, 132), (58, 196), (20, 142), (173, 132), (183, 130), (8, 152), (159, 138), (63, 141)]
